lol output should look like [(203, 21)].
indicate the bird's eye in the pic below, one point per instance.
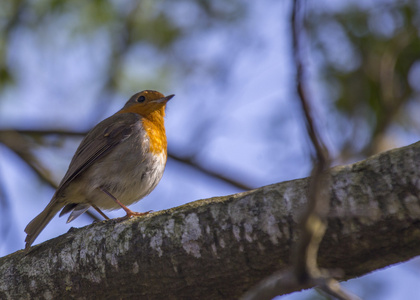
[(141, 99)]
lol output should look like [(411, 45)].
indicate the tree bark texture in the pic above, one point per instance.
[(218, 248)]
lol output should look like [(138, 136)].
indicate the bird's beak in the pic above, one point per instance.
[(164, 99)]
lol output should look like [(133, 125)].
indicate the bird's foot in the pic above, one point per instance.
[(131, 213)]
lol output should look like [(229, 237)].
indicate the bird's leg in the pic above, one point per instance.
[(100, 212), (128, 211)]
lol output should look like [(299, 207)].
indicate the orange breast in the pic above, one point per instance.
[(155, 129)]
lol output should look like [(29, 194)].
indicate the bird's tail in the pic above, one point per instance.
[(34, 228)]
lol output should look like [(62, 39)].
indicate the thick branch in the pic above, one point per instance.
[(218, 248)]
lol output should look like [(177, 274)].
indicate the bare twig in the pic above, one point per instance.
[(286, 282), (332, 288), (184, 160), (19, 145), (321, 150), (16, 143), (314, 220), (313, 224), (191, 163), (270, 287)]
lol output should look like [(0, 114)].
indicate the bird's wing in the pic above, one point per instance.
[(98, 142)]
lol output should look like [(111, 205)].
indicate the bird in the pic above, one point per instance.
[(118, 162)]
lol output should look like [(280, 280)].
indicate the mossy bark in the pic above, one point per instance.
[(218, 248)]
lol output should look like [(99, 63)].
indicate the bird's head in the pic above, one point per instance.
[(146, 102)]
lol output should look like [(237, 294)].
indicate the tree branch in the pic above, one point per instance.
[(184, 160), (211, 173), (16, 143), (218, 248)]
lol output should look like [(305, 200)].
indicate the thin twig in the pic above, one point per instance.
[(184, 160), (313, 223), (305, 271), (20, 146), (16, 143), (191, 163), (314, 220), (320, 149)]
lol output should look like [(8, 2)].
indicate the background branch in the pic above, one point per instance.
[(22, 148), (184, 160)]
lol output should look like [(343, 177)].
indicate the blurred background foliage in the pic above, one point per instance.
[(234, 123), (369, 63)]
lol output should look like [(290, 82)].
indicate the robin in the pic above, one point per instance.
[(120, 161)]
